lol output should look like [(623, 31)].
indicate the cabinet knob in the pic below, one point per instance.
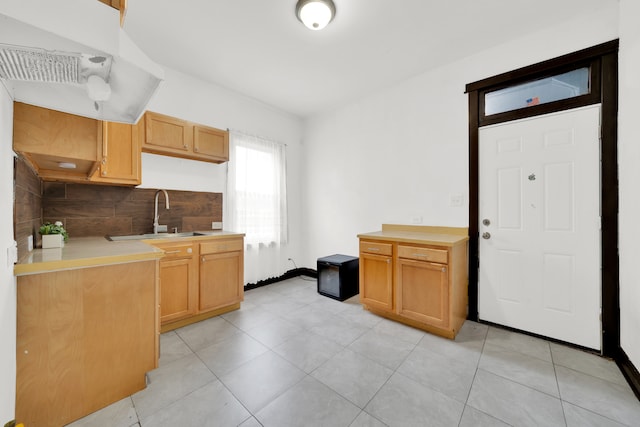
[(189, 250), (104, 172), (444, 269), (388, 261), (186, 146), (202, 259), (195, 149)]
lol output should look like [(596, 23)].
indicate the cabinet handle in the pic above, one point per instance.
[(172, 252), (374, 249), (421, 255)]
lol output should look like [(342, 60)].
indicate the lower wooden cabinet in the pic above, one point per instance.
[(178, 281), (377, 272), (85, 338), (416, 275), (423, 292), (200, 278), (220, 280)]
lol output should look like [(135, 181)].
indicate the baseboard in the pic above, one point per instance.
[(629, 371), (288, 275)]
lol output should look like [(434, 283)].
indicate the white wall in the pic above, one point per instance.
[(629, 177), (7, 280), (189, 98), (400, 154)]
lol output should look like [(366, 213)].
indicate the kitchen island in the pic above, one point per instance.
[(87, 327), (416, 275)]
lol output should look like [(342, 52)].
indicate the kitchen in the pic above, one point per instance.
[(397, 112)]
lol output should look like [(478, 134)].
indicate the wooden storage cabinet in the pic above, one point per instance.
[(221, 274), (180, 138), (416, 275), (86, 338), (200, 278), (121, 155), (46, 138), (376, 270), (103, 152), (423, 292), (178, 281)]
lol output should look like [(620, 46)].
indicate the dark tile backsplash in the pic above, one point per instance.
[(95, 210), (99, 210), (27, 208)]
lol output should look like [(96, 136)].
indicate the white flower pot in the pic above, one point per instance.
[(52, 241)]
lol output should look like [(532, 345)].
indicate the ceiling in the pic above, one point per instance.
[(260, 49)]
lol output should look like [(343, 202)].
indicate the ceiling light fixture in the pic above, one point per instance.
[(315, 14)]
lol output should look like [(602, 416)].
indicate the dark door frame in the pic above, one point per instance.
[(603, 62)]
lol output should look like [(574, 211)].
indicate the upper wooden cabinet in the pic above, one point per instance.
[(175, 137), (51, 141), (121, 159)]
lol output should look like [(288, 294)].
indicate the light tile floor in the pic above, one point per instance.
[(291, 357)]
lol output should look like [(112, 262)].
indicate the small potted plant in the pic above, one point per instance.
[(53, 235)]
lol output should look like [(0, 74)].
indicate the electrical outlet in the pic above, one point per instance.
[(30, 243), (162, 228), (215, 225), (456, 200)]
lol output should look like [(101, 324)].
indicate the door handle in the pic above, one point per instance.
[(486, 235)]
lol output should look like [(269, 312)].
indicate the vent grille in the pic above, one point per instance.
[(38, 65)]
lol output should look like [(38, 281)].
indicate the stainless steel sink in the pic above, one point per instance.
[(155, 236)]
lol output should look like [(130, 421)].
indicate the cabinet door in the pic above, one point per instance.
[(167, 135), (120, 155), (221, 277), (210, 144), (178, 281), (376, 281), (178, 289), (423, 292)]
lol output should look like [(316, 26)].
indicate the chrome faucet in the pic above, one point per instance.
[(156, 217)]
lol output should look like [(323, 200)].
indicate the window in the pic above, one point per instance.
[(555, 88), (256, 199)]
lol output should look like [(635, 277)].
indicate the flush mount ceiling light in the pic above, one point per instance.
[(315, 14)]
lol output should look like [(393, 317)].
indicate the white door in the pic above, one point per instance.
[(539, 213)]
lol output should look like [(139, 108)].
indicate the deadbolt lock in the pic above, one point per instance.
[(486, 222)]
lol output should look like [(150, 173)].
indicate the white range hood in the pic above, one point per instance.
[(40, 39)]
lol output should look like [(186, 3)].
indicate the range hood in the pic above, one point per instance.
[(72, 56)]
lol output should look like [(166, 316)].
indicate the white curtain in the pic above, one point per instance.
[(256, 201)]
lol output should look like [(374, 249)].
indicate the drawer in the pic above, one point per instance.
[(217, 246), (423, 254), (376, 248), (177, 250)]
